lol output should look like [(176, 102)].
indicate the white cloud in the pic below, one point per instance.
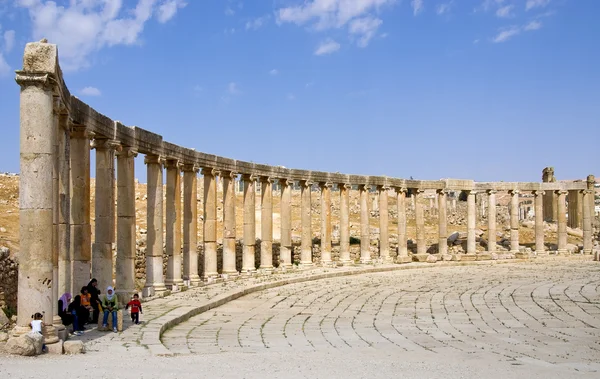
[(505, 11), (168, 9), (327, 47), (90, 91), (229, 11), (83, 27), (533, 25), (309, 84), (417, 6), (506, 33), (257, 23), (366, 28), (443, 8), (274, 72), (4, 67), (489, 4), (291, 96), (531, 4), (233, 89), (9, 40)]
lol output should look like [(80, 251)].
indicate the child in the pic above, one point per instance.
[(36, 327), (110, 304), (136, 309)]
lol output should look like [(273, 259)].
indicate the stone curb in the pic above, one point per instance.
[(154, 329)]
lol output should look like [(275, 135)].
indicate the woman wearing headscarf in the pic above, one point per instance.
[(110, 304), (63, 313), (94, 292)]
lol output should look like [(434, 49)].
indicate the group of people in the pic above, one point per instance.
[(86, 307)]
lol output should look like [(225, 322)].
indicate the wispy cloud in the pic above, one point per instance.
[(274, 72), (233, 89), (505, 11), (533, 25), (417, 6), (9, 40), (257, 23), (507, 33), (229, 11), (90, 91), (444, 8), (532, 4), (291, 96), (327, 47), (167, 9), (365, 28), (4, 67)]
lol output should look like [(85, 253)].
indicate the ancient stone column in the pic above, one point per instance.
[(285, 250), (442, 222), (248, 260), (562, 221), (550, 198), (64, 205), (420, 222), (575, 209), (365, 238), (125, 270), (471, 222), (56, 320), (306, 239), (587, 221), (154, 251), (514, 221), (539, 222), (491, 248), (36, 192), (80, 207), (190, 224), (173, 220), (102, 262), (402, 241), (266, 224), (384, 219), (229, 223), (210, 223), (345, 223), (325, 222)]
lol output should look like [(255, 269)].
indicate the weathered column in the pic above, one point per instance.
[(285, 250), (345, 223), (442, 222), (64, 199), (491, 247), (306, 239), (56, 320), (190, 224), (471, 222), (562, 221), (173, 219), (550, 198), (229, 223), (420, 222), (402, 241), (514, 221), (384, 220), (36, 199), (125, 270), (102, 262), (365, 239), (575, 209), (248, 261), (539, 222), (80, 206), (325, 222), (266, 224), (154, 251), (588, 211), (210, 223)]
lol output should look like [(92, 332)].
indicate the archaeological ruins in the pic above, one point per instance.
[(57, 253)]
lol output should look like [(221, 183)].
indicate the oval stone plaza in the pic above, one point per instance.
[(300, 302)]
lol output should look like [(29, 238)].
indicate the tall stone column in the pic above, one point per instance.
[(325, 222), (402, 240), (81, 253), (210, 223), (345, 223), (588, 197), (575, 209), (420, 221), (36, 197), (190, 224), (229, 223), (125, 270), (539, 222), (562, 221), (266, 224), (471, 222), (64, 198), (491, 248), (306, 239), (365, 238), (56, 320), (514, 221), (442, 222), (285, 250), (550, 197), (384, 221), (154, 251), (248, 260), (173, 220), (102, 262)]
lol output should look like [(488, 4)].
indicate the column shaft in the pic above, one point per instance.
[(384, 221), (325, 223), (248, 258), (491, 221), (285, 250), (210, 224), (514, 221), (562, 221), (539, 222), (64, 215), (344, 223), (442, 222), (190, 224), (229, 232), (365, 239), (173, 227), (154, 249), (471, 222), (306, 239), (125, 270), (420, 222), (588, 195), (266, 227)]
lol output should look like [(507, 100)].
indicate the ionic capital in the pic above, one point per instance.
[(587, 192), (190, 167), (59, 107), (229, 174), (538, 192), (419, 191), (249, 177), (561, 192), (491, 192), (514, 192), (345, 186), (171, 164), (285, 182), (305, 183), (105, 144), (363, 187), (383, 188), (442, 191), (400, 190), (324, 185), (80, 131), (126, 152), (209, 171), (154, 159), (40, 80)]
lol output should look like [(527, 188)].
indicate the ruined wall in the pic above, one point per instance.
[(8, 281)]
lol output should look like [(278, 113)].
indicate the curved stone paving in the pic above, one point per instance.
[(543, 313)]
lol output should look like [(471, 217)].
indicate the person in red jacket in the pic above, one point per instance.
[(136, 309)]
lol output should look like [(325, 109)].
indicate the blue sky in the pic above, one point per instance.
[(482, 89)]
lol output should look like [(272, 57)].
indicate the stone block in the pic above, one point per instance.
[(484, 257), (28, 345), (420, 257), (522, 255), (3, 337), (56, 348), (148, 292), (469, 257), (457, 257), (74, 347), (447, 257), (63, 334), (110, 325), (406, 259), (432, 258)]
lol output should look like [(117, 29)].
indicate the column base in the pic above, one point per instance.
[(210, 275), (228, 274), (305, 265), (405, 259), (49, 332), (562, 252), (265, 270), (195, 280), (124, 296), (176, 282), (248, 271), (541, 252)]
